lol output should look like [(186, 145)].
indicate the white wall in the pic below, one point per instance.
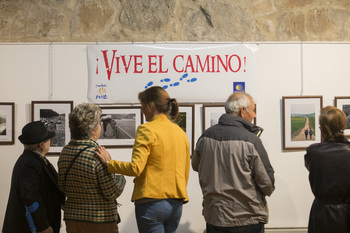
[(24, 76)]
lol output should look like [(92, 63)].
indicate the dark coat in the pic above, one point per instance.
[(329, 167), (234, 172), (33, 181)]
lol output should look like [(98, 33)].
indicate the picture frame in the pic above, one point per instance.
[(300, 121), (343, 103), (7, 123), (54, 114), (212, 113), (119, 125), (185, 120)]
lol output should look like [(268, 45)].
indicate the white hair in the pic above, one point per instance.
[(237, 101)]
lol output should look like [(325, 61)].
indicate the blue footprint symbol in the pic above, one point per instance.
[(192, 80), (165, 80), (183, 76), (175, 84), (149, 84)]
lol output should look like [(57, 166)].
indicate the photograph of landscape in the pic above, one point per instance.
[(55, 121), (302, 121)]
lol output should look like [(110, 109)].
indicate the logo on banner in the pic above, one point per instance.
[(238, 87), (101, 91)]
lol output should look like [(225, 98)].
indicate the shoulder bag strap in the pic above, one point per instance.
[(71, 164)]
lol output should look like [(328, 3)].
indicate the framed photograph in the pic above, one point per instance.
[(7, 123), (212, 113), (343, 103), (300, 121), (54, 114), (185, 120), (118, 126)]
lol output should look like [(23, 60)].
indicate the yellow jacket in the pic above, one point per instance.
[(160, 161)]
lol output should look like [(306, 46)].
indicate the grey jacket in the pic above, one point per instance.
[(235, 173)]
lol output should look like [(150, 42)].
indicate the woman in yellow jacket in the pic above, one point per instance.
[(160, 162)]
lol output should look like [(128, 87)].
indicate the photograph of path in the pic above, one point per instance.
[(303, 122)]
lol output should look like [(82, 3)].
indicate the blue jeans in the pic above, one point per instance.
[(161, 216), (256, 228)]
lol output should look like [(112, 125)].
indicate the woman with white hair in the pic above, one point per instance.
[(91, 191)]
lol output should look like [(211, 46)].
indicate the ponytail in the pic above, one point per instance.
[(173, 108), (163, 103)]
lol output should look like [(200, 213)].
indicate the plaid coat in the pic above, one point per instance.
[(91, 191)]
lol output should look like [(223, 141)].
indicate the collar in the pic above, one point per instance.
[(229, 119), (84, 142), (39, 155), (339, 140), (160, 116)]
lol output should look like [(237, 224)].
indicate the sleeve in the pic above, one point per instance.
[(307, 159), (110, 185), (196, 155), (61, 174), (30, 178), (188, 161), (141, 150), (263, 172), (61, 184)]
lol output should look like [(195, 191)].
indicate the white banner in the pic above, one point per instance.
[(189, 72)]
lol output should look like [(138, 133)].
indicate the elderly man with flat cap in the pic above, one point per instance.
[(35, 201)]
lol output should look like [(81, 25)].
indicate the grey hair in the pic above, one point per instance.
[(83, 119), (237, 101)]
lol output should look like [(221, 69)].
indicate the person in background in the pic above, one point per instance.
[(234, 170), (160, 162), (91, 191), (328, 164), (311, 131), (105, 121), (35, 200), (306, 132)]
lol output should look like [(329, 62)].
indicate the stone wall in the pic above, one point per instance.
[(173, 20)]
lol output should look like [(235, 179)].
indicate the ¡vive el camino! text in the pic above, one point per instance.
[(229, 63)]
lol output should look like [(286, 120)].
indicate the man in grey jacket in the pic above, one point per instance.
[(234, 170)]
